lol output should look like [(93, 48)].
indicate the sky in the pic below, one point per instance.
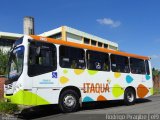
[(133, 24)]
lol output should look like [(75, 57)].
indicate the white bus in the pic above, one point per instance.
[(49, 71)]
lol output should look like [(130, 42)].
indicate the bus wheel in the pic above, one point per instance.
[(129, 96), (69, 101)]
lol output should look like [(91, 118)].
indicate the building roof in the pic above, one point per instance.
[(14, 36), (9, 35), (79, 33)]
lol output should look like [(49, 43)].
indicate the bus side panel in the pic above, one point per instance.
[(46, 88), (47, 96), (99, 85)]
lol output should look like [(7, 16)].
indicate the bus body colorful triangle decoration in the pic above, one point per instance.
[(129, 79), (65, 71), (148, 77), (117, 75), (117, 91), (78, 71), (87, 99), (151, 91), (101, 98), (142, 91), (63, 80), (92, 72)]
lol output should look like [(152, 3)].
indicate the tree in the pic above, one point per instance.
[(155, 72), (156, 77), (3, 61)]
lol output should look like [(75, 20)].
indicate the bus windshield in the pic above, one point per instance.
[(16, 63)]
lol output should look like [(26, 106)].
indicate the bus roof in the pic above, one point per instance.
[(78, 45)]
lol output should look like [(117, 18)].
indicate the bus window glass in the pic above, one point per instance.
[(147, 67), (119, 64), (18, 42), (71, 57), (16, 62), (98, 61), (42, 58), (137, 66)]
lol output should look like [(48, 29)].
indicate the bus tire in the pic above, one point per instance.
[(69, 101), (129, 96)]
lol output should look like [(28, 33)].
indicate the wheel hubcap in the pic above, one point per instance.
[(130, 97), (69, 101)]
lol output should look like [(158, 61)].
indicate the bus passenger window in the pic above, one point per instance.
[(42, 58), (71, 57), (137, 66), (98, 61), (119, 63), (147, 67)]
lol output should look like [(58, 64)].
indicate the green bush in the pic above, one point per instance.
[(9, 108), (156, 91)]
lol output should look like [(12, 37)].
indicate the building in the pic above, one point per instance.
[(7, 39), (62, 33), (73, 35)]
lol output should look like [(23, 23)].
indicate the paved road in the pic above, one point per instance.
[(94, 111)]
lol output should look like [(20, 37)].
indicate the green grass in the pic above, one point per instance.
[(156, 91), (9, 108)]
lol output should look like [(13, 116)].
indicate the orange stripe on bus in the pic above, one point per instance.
[(72, 44)]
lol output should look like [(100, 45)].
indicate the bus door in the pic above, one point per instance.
[(42, 65)]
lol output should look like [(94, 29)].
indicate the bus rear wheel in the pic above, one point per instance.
[(129, 96), (69, 101)]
